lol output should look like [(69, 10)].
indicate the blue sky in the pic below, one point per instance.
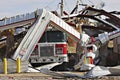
[(14, 7)]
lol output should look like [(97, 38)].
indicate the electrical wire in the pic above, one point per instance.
[(67, 7), (57, 8), (50, 3), (81, 1), (90, 2)]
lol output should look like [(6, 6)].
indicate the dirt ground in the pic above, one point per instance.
[(40, 76)]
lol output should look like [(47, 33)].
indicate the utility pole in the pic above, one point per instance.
[(77, 4), (61, 6)]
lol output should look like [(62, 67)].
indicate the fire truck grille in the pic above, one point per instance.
[(46, 51)]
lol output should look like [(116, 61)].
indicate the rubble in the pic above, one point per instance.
[(92, 42)]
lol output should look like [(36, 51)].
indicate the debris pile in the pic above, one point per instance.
[(95, 34)]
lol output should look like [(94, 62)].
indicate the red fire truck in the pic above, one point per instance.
[(52, 47)]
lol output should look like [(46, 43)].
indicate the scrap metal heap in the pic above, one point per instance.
[(92, 39), (99, 23), (100, 46)]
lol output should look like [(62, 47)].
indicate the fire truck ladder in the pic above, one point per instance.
[(35, 32)]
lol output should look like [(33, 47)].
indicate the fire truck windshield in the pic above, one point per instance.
[(53, 36)]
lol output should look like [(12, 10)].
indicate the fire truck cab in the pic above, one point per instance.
[(52, 47)]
